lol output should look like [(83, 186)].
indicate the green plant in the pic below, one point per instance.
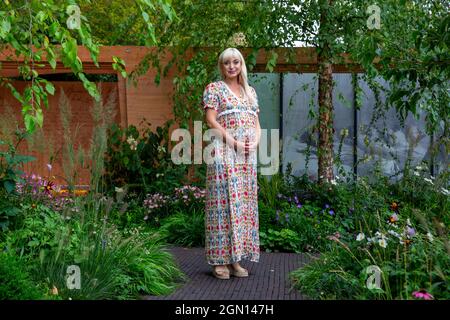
[(17, 284), (9, 210), (141, 160), (326, 278), (10, 161), (37, 230), (153, 269), (285, 239), (112, 264), (410, 250), (269, 189), (185, 229)]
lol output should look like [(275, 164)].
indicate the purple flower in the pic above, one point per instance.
[(331, 212), (299, 205), (327, 206), (410, 231), (296, 199), (287, 217)]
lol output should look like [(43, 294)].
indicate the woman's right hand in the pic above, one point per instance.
[(245, 147)]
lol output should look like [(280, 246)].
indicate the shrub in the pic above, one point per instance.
[(141, 161), (185, 199), (16, 283), (410, 257), (185, 229)]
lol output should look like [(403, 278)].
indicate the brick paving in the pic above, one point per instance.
[(268, 279)]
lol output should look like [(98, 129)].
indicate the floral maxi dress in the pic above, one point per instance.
[(231, 204)]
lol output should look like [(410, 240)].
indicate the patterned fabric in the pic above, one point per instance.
[(231, 204)]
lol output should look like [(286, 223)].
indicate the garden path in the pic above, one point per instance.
[(268, 279)]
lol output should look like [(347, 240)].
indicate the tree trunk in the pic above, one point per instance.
[(325, 125)]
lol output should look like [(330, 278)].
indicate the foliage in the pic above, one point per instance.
[(286, 239), (413, 37), (16, 281), (184, 229), (409, 261), (10, 162), (37, 29), (140, 161), (113, 264), (399, 226), (9, 210)]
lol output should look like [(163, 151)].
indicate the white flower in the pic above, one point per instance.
[(408, 222), (132, 142), (430, 236), (428, 180), (432, 178), (360, 236), (382, 242), (395, 234), (445, 191), (161, 149), (333, 182), (49, 166), (118, 190), (416, 173), (419, 168)]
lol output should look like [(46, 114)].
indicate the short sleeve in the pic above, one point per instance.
[(211, 97), (255, 96)]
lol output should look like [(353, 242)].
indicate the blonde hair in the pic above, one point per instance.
[(242, 77)]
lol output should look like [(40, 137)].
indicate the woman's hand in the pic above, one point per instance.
[(246, 147)]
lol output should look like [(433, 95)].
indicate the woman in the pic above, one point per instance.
[(231, 208)]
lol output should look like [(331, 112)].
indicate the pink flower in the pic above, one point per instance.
[(334, 237), (422, 294)]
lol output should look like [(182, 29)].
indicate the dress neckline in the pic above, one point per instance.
[(234, 94)]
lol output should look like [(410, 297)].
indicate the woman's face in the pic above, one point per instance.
[(232, 67)]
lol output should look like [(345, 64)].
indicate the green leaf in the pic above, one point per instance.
[(39, 117), (50, 88), (89, 86), (29, 123), (145, 16), (9, 185), (272, 62), (5, 28)]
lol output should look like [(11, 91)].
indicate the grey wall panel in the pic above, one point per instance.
[(267, 86), (343, 119), (299, 95), (381, 137)]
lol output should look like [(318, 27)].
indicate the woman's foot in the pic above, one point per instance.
[(221, 272), (237, 271)]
